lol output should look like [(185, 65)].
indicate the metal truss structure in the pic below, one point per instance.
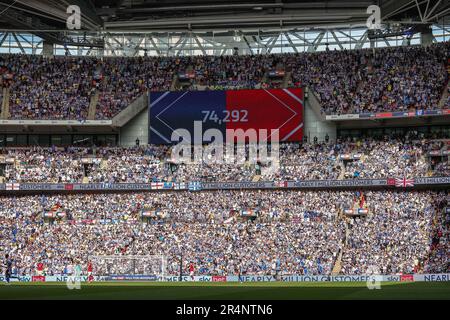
[(211, 27), (213, 43)]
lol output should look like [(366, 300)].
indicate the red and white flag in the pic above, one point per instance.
[(404, 183), (282, 184), (12, 186), (157, 185), (391, 181)]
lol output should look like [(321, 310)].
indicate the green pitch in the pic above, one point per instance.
[(218, 291)]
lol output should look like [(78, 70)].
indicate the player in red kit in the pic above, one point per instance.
[(40, 269), (89, 271), (191, 271)]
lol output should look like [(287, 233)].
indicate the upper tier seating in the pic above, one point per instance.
[(348, 81)]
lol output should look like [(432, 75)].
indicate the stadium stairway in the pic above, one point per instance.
[(201, 87), (430, 171), (338, 263), (256, 178), (342, 173), (103, 164), (5, 104), (287, 79), (444, 95), (175, 83), (93, 105), (133, 109), (265, 77), (315, 104), (2, 101)]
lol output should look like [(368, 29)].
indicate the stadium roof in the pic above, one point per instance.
[(209, 19), (171, 15)]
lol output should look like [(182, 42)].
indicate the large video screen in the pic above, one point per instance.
[(259, 109)]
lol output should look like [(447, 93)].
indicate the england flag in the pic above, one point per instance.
[(12, 186), (157, 185)]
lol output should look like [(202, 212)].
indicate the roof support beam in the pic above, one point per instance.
[(290, 42), (272, 43), (154, 45), (317, 41), (18, 43), (295, 34), (182, 45), (336, 39), (4, 38), (247, 42), (198, 43)]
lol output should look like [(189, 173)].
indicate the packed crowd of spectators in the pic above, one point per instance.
[(307, 162), (181, 206), (389, 79), (442, 169), (49, 165), (49, 88), (68, 165), (439, 257), (395, 239), (294, 232), (344, 159), (139, 165), (382, 159), (347, 81), (438, 157), (125, 79)]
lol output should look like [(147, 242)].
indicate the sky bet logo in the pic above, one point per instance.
[(186, 278), (204, 279)]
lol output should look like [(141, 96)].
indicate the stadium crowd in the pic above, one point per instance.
[(395, 239), (347, 81), (344, 159), (440, 233), (389, 79), (294, 232), (382, 159), (124, 79), (42, 88), (229, 232)]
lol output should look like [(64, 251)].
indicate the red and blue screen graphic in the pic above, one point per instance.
[(258, 109)]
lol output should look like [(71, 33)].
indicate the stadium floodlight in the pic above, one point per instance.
[(130, 267)]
